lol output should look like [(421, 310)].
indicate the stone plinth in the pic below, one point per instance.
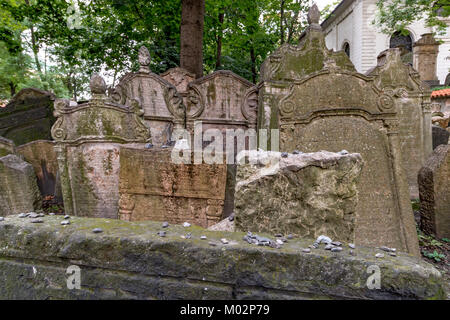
[(434, 184), (425, 52), (305, 195), (18, 189)]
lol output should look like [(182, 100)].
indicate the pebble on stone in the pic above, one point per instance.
[(329, 247), (323, 239), (212, 244), (296, 152), (284, 154), (2, 219), (352, 253), (188, 236), (203, 237), (231, 217), (66, 217), (148, 146), (351, 245), (162, 233), (51, 214), (65, 222), (165, 224), (186, 224), (224, 241), (290, 236), (336, 249), (37, 220), (97, 230), (279, 241), (306, 250), (336, 243), (33, 215), (23, 215), (379, 255), (343, 152), (393, 254)]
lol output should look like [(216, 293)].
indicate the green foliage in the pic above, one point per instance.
[(436, 256), (396, 15)]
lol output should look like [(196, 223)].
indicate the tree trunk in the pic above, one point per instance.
[(191, 36), (12, 89), (219, 40), (253, 59), (34, 45)]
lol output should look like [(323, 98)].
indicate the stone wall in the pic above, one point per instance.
[(18, 189), (305, 195), (130, 261), (28, 116), (434, 184), (152, 187)]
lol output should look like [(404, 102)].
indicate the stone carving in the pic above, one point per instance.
[(434, 185), (27, 117), (180, 78), (404, 93), (152, 187), (319, 102), (18, 189), (304, 194), (440, 136), (425, 52), (162, 104), (89, 136)]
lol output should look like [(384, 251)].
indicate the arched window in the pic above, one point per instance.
[(404, 42), (346, 48)]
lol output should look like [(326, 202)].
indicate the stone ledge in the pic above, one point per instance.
[(130, 261)]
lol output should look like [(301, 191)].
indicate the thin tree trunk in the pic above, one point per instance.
[(191, 36), (34, 45), (281, 21), (219, 40), (253, 60)]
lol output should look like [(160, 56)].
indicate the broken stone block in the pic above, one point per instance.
[(440, 136), (434, 186), (18, 189), (305, 194)]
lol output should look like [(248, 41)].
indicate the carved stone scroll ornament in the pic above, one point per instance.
[(249, 106), (57, 132), (174, 102), (195, 104)]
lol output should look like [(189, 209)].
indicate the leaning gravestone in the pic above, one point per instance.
[(89, 136), (18, 189), (434, 186), (28, 116), (318, 101), (162, 105), (413, 105), (440, 136), (305, 195)]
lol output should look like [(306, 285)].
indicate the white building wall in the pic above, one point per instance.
[(367, 41)]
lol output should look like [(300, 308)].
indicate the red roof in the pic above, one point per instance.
[(440, 93)]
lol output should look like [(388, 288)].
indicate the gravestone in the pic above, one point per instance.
[(89, 136), (440, 136), (28, 116), (318, 101), (305, 195), (18, 189), (413, 106), (153, 187), (162, 105), (42, 156), (6, 147), (434, 185)]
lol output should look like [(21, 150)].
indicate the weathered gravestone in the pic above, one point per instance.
[(163, 108), (413, 105), (440, 136), (18, 189), (319, 102), (153, 187), (28, 116), (89, 137), (434, 186), (305, 195), (6, 147), (42, 156)]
